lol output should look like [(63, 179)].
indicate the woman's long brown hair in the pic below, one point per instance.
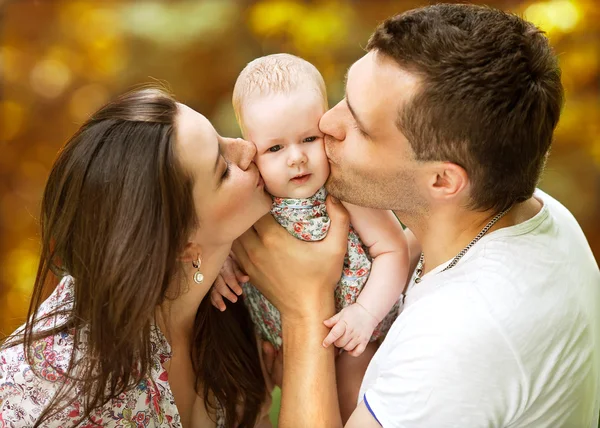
[(116, 213)]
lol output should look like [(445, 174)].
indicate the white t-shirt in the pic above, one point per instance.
[(509, 337)]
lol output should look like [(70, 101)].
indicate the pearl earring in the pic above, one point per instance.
[(198, 277)]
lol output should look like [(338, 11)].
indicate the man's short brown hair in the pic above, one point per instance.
[(490, 96)]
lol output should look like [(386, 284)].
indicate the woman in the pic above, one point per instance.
[(138, 215)]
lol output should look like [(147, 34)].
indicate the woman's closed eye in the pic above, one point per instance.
[(226, 172), (275, 148)]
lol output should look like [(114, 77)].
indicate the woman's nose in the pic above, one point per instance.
[(297, 155), (331, 122), (239, 151)]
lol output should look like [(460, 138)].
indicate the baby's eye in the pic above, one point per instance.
[(309, 139), (275, 148)]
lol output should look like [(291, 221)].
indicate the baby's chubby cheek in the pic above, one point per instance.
[(274, 188), (273, 180)]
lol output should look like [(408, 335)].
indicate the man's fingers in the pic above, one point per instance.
[(335, 334), (340, 220), (267, 357), (268, 353), (249, 240), (273, 363), (265, 224), (240, 252), (277, 374)]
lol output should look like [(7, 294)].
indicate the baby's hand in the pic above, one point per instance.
[(351, 329), (227, 283)]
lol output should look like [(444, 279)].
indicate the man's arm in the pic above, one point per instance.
[(362, 418), (309, 394), (299, 278)]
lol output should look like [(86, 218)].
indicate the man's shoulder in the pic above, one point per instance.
[(542, 254), (560, 219)]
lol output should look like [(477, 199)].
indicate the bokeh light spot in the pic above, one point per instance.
[(561, 15), (50, 77), (11, 117), (86, 100), (11, 64)]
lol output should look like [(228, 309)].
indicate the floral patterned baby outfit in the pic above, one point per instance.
[(24, 395), (307, 219)]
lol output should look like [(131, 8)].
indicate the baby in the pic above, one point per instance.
[(278, 101)]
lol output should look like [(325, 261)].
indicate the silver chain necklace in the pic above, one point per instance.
[(421, 264)]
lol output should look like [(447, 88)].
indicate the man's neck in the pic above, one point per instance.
[(446, 231)]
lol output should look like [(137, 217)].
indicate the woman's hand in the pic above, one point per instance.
[(298, 277)]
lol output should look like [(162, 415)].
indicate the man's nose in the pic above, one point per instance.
[(331, 123), (239, 151)]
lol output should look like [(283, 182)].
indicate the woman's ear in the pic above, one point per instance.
[(191, 252)]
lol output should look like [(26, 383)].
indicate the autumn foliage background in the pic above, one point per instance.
[(60, 60)]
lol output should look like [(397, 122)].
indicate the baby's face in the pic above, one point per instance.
[(290, 154)]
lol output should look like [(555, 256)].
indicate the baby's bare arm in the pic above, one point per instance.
[(382, 234)]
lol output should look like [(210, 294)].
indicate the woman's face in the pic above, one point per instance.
[(228, 191)]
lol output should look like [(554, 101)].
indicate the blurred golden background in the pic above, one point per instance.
[(60, 60)]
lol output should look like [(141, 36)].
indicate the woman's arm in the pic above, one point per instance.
[(299, 278)]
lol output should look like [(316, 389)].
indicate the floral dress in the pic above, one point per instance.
[(307, 219), (24, 395)]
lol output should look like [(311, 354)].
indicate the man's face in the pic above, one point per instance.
[(372, 163)]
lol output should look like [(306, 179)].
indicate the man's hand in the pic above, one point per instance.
[(297, 277), (351, 329)]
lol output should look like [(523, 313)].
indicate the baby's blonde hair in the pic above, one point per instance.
[(275, 74)]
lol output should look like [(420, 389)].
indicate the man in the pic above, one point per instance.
[(447, 120)]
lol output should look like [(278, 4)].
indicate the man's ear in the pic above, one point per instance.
[(448, 180), (191, 252)]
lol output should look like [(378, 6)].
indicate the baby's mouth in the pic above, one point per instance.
[(301, 178)]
